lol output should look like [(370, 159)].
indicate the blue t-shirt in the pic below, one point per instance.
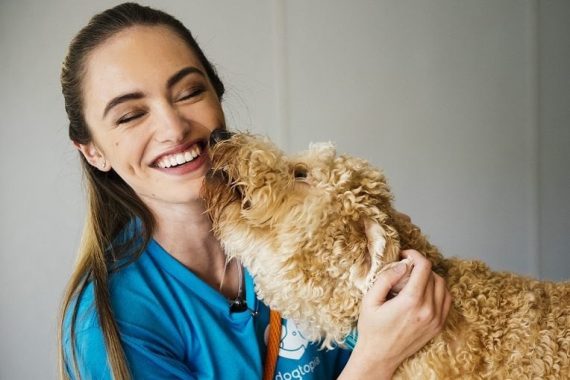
[(175, 326)]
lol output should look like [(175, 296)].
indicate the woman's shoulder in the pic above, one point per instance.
[(83, 307), (142, 308), (150, 292), (130, 290), (142, 311)]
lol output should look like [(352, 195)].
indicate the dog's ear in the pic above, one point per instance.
[(383, 248)]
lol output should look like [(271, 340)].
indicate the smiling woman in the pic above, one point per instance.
[(126, 120), (152, 293), (145, 89)]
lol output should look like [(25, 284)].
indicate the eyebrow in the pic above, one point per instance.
[(177, 77)]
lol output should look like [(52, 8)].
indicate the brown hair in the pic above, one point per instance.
[(112, 204)]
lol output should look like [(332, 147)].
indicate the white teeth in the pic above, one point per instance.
[(179, 158)]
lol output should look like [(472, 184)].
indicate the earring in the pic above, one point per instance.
[(103, 166)]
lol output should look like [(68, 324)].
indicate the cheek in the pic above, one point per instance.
[(131, 170), (126, 154), (209, 115)]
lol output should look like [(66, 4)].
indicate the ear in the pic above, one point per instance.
[(382, 249), (94, 156)]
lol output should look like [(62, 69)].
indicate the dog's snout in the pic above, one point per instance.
[(219, 135)]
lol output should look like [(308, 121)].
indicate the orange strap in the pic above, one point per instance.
[(273, 340)]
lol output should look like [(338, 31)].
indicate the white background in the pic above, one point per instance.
[(465, 104)]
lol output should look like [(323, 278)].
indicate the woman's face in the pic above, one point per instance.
[(150, 108)]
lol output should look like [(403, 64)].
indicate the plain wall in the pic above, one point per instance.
[(554, 139), (464, 104)]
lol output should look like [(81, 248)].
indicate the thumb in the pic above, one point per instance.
[(385, 281)]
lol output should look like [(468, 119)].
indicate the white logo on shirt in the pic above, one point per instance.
[(293, 343)]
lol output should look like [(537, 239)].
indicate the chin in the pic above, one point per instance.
[(162, 201), (190, 198)]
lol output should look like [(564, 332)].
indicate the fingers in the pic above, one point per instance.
[(446, 305), (385, 281), (441, 302), (429, 291), (397, 288), (420, 275), (439, 294), (425, 291)]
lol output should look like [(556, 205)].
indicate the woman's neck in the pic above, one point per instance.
[(185, 232)]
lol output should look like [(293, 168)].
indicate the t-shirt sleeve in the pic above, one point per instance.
[(146, 359)]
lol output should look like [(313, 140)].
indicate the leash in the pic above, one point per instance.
[(273, 340)]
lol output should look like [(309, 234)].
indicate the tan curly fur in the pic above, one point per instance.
[(315, 230)]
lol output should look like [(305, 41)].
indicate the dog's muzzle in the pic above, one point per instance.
[(219, 135)]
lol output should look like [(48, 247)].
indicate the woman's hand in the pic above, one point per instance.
[(391, 330)]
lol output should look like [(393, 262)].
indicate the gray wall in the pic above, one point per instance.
[(554, 139), (464, 104)]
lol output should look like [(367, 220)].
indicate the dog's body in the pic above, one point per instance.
[(315, 230)]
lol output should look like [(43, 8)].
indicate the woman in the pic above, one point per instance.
[(150, 295)]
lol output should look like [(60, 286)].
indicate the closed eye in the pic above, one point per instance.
[(129, 117), (190, 93)]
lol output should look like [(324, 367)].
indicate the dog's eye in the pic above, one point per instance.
[(300, 172)]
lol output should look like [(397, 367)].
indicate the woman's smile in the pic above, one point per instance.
[(182, 160)]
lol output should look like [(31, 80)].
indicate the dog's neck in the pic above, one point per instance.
[(411, 237)]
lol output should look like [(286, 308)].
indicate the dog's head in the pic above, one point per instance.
[(311, 209)]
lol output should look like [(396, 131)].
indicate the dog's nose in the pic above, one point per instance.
[(219, 135)]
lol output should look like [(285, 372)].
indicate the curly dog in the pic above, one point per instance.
[(315, 230)]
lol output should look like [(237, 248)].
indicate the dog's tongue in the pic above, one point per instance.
[(219, 135)]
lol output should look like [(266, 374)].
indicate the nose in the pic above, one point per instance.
[(172, 126), (219, 135)]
